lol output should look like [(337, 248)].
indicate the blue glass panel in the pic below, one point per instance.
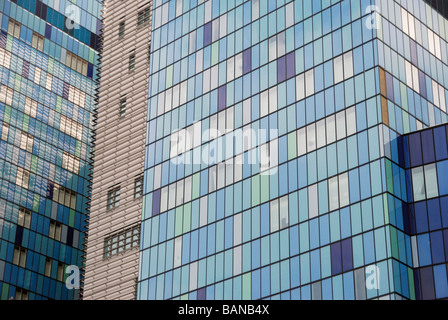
[(424, 250), (435, 221), (437, 247), (336, 263), (347, 255), (442, 175), (441, 282), (415, 150), (421, 217), (441, 143), (427, 146)]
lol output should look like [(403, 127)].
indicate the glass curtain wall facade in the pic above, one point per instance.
[(272, 164), (424, 157), (48, 66)]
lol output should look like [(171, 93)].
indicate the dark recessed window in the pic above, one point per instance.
[(132, 62), (121, 28), (21, 294), (24, 219), (138, 187), (19, 257), (122, 241), (14, 28), (143, 17), (38, 41), (122, 108), (113, 198)]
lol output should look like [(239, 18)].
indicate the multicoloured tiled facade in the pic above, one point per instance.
[(328, 89), (48, 66)]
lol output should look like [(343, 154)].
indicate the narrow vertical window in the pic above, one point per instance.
[(143, 17), (138, 187), (113, 198), (132, 62), (121, 28), (122, 108)]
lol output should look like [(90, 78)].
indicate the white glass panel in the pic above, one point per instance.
[(432, 187), (333, 193), (338, 70), (418, 183), (274, 216)]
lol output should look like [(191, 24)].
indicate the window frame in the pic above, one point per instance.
[(143, 17), (113, 198), (121, 28), (14, 28), (138, 187), (132, 61), (38, 42), (123, 106), (121, 241)]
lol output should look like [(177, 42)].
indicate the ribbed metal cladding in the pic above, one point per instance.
[(119, 149)]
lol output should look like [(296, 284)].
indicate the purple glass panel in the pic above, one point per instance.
[(406, 227), (390, 87), (90, 70), (281, 69), (401, 152), (50, 188), (435, 221), (444, 210), (19, 235), (25, 69), (438, 255), (445, 241), (415, 149), (65, 90), (428, 147), (418, 294), (347, 255), (336, 265), (48, 31), (407, 160), (290, 65), (414, 56), (222, 98), (207, 34), (70, 232), (422, 81), (411, 211), (440, 142), (95, 41), (41, 10), (247, 61), (3, 37), (427, 282), (201, 294), (156, 203), (99, 26), (421, 217), (409, 189)]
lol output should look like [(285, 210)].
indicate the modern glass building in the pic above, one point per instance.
[(280, 159), (48, 66)]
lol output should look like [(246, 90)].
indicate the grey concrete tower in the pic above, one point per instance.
[(116, 207)]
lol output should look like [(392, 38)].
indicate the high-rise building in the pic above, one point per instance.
[(280, 159), (115, 216), (49, 56)]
